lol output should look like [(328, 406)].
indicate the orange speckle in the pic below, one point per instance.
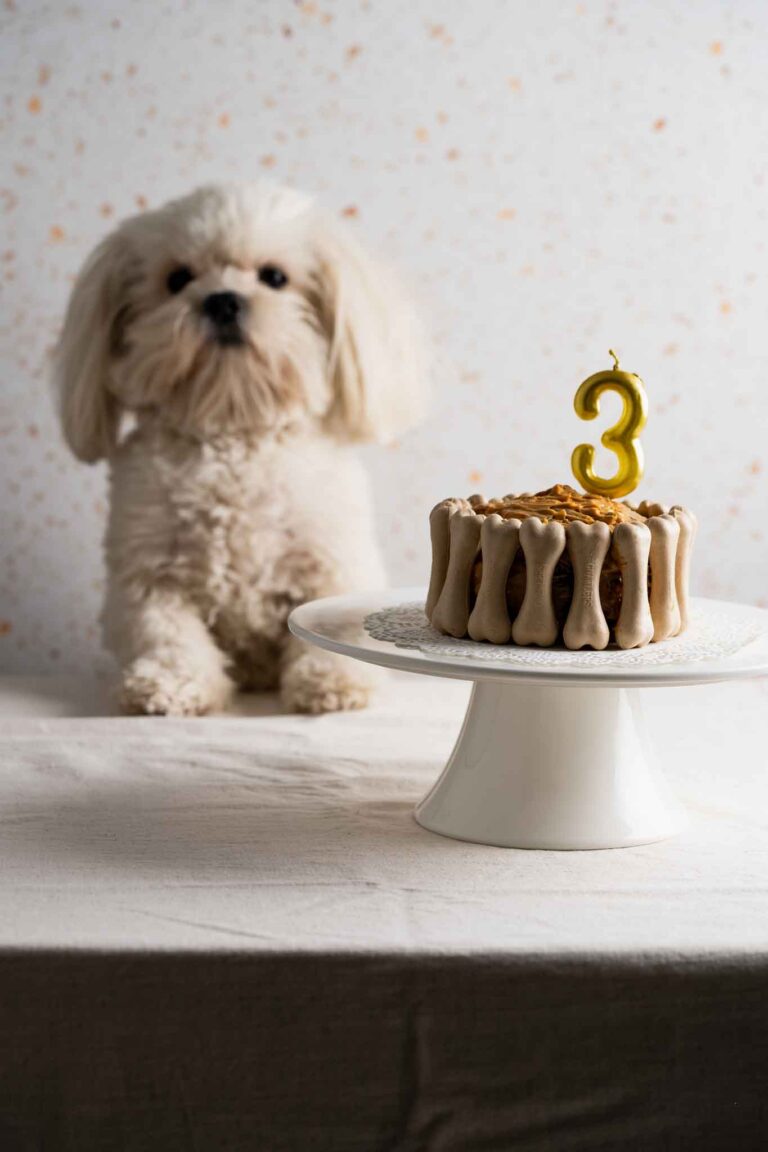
[(34, 105), (353, 52), (452, 154), (287, 31), (441, 33), (268, 161), (33, 431), (475, 477), (106, 77), (660, 124), (506, 214), (56, 233), (9, 255), (106, 210), (725, 307), (755, 468), (670, 349), (422, 134), (141, 202), (79, 147), (442, 117), (515, 84), (223, 120), (5, 627), (131, 70), (350, 211), (716, 47), (43, 75)]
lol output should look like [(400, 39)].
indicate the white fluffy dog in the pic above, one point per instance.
[(249, 342)]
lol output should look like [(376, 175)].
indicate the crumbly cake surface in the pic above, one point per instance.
[(561, 503)]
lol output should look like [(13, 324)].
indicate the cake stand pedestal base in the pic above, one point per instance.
[(539, 766), (552, 754)]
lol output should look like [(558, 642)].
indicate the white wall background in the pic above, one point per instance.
[(555, 178)]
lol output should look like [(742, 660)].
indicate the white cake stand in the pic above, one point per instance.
[(549, 756)]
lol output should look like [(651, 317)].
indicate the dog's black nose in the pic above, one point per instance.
[(223, 307)]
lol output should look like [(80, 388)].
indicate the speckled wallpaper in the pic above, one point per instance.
[(554, 179)]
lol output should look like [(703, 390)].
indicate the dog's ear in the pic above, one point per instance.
[(377, 360), (89, 413)]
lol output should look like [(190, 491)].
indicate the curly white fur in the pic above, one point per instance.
[(236, 494)]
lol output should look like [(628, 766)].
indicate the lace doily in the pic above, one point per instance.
[(710, 634)]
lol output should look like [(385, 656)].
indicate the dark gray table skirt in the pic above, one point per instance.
[(349, 1053)]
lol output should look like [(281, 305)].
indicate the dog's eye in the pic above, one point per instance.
[(272, 276), (179, 278)]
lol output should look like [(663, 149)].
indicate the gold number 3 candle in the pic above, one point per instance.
[(621, 438)]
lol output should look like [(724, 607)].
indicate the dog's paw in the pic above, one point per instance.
[(318, 683), (152, 689)]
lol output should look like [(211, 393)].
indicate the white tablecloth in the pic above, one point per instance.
[(231, 933)]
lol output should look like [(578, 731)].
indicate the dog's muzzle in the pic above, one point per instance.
[(225, 310)]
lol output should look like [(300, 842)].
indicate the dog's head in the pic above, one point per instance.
[(236, 309)]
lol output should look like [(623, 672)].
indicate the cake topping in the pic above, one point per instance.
[(564, 504)]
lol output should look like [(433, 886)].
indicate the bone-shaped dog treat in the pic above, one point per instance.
[(588, 546), (650, 508), (631, 548), (543, 546), (490, 615), (665, 610), (439, 532), (688, 525), (451, 612)]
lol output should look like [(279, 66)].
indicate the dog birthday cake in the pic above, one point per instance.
[(559, 565)]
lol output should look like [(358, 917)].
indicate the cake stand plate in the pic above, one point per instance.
[(553, 752)]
